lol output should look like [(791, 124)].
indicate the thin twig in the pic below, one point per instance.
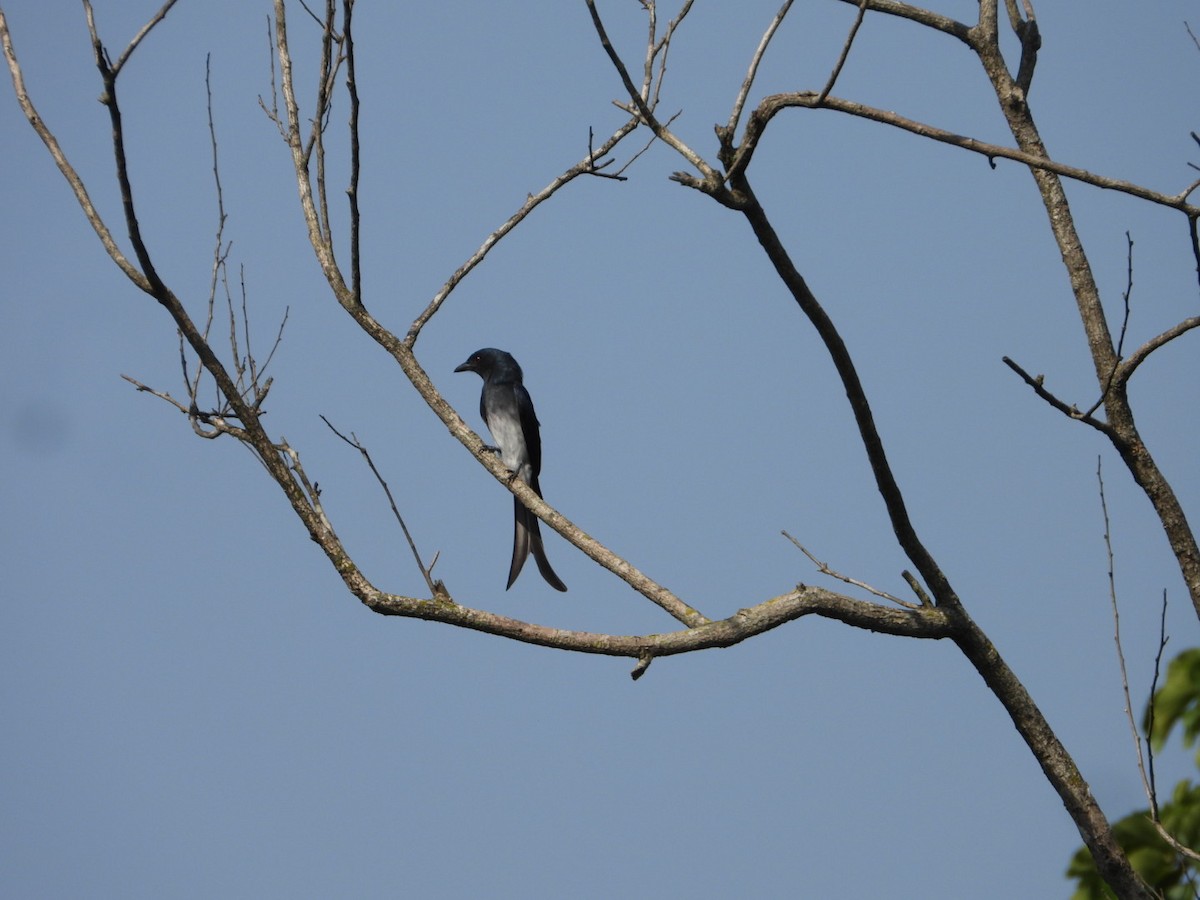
[(1147, 784), (917, 588), (142, 32), (651, 8), (841, 61), (436, 589), (216, 421), (594, 167), (220, 249), (1176, 845), (662, 49), (273, 112), (355, 155), (60, 159), (747, 82), (1162, 645), (300, 158), (826, 570), (1126, 296), (1191, 34), (1071, 411), (640, 105), (532, 201)]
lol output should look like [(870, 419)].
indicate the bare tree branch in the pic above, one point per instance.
[(64, 166), (1024, 25), (1142, 353), (1118, 413), (940, 613), (826, 570), (845, 54), (748, 82), (1040, 738), (355, 156), (317, 235), (142, 33), (741, 626), (1070, 411), (639, 104), (1116, 614), (402, 351), (532, 202), (933, 20), (661, 48), (770, 106), (1144, 760), (437, 590)]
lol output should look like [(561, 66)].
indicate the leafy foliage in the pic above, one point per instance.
[(1155, 860), (1177, 701)]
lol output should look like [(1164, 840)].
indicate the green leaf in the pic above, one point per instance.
[(1177, 702)]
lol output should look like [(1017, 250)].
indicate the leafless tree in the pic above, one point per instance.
[(937, 610)]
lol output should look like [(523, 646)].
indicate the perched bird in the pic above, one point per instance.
[(507, 410)]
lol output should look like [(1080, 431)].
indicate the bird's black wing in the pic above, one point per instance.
[(531, 431)]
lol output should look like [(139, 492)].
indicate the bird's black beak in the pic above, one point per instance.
[(465, 367)]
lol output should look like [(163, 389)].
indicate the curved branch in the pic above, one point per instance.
[(770, 106), (744, 624), (1123, 431), (402, 350), (462, 432), (885, 480), (933, 20), (280, 461), (1127, 367)]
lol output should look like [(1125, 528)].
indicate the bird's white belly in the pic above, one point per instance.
[(508, 437)]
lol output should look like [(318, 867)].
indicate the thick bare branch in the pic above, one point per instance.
[(1122, 428), (925, 17), (742, 625), (885, 480)]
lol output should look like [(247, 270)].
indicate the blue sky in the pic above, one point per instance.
[(195, 707)]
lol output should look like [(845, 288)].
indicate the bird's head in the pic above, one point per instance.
[(489, 360)]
